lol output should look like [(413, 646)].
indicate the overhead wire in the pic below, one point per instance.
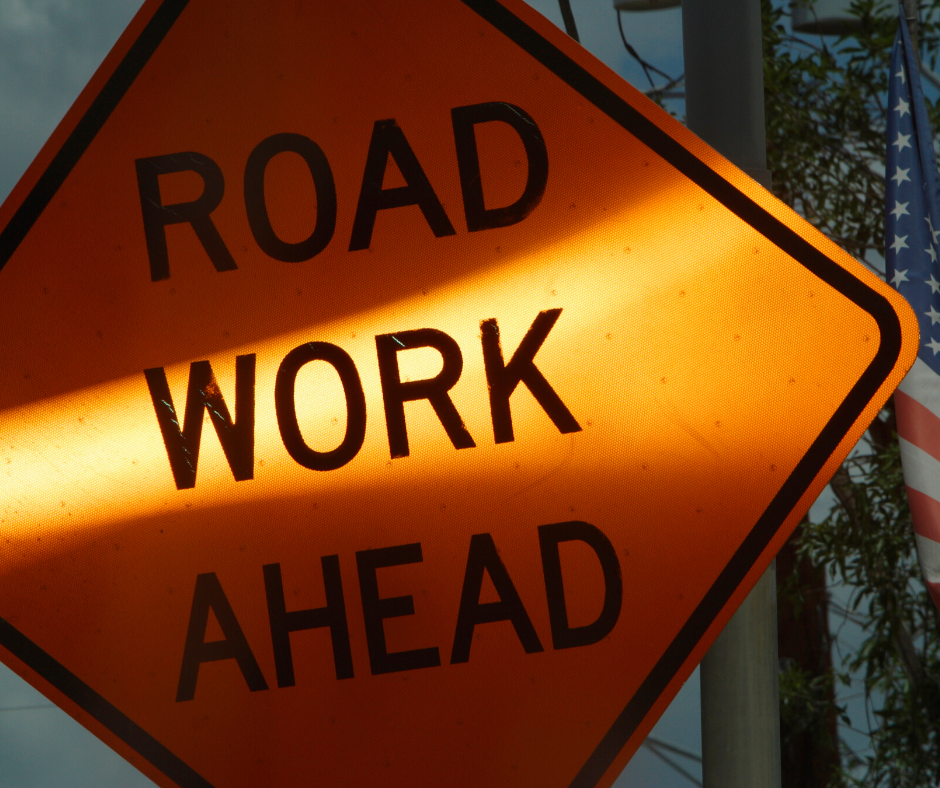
[(692, 756), (656, 746), (633, 53), (571, 29), (647, 66)]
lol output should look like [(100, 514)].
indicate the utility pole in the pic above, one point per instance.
[(725, 107)]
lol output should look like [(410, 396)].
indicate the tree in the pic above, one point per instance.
[(826, 128)]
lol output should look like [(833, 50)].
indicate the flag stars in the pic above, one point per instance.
[(916, 274), (933, 232), (901, 175)]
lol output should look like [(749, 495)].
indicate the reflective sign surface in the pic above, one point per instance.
[(392, 393)]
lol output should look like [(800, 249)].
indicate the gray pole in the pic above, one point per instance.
[(725, 107), (910, 14)]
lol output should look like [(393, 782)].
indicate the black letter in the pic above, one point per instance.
[(395, 392), (283, 623), (287, 413), (483, 557), (468, 162), (564, 636), (237, 438), (257, 209), (157, 215), (389, 140), (503, 380), (209, 594), (374, 609)]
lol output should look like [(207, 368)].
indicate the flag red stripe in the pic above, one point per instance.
[(925, 513), (917, 425)]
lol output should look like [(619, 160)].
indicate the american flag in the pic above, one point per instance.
[(912, 225)]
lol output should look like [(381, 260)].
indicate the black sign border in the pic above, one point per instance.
[(608, 102)]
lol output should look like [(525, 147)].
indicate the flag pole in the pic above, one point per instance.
[(910, 14), (722, 45), (912, 227)]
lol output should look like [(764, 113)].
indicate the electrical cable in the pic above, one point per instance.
[(671, 763), (692, 756), (633, 53), (647, 67)]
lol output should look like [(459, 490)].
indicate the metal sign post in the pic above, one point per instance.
[(725, 106)]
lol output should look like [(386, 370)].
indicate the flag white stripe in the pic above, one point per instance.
[(923, 384), (921, 471), (929, 553)]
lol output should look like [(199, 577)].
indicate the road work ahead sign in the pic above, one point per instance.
[(391, 395)]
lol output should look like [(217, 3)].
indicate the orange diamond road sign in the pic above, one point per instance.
[(390, 393)]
